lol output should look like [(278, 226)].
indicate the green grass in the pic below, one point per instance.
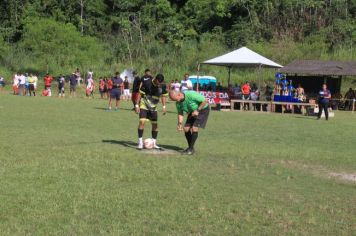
[(65, 170)]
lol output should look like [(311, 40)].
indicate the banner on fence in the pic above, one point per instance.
[(216, 97)]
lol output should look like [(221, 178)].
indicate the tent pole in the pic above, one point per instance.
[(198, 77), (228, 81)]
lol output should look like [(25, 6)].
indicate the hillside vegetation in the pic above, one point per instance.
[(168, 36)]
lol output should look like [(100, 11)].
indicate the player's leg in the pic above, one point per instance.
[(198, 122), (141, 127), (326, 110), (118, 95), (153, 118), (188, 131)]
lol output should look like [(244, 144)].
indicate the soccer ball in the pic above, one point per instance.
[(148, 143)]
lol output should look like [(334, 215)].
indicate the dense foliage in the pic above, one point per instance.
[(171, 36)]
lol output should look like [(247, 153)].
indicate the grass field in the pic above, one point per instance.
[(68, 167)]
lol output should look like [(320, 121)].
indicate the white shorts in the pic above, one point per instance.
[(127, 92)]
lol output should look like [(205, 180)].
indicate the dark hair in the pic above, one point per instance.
[(160, 78), (147, 70)]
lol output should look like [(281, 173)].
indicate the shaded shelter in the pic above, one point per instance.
[(242, 58), (311, 74)]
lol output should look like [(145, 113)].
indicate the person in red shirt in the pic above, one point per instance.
[(246, 91), (47, 84)]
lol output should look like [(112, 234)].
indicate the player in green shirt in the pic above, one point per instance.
[(197, 108)]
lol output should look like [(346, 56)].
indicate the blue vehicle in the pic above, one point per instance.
[(204, 80)]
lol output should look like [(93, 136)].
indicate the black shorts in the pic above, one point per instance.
[(148, 115), (199, 121), (31, 87), (115, 93), (72, 88)]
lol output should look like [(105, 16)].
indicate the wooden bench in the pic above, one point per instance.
[(251, 103), (270, 105)]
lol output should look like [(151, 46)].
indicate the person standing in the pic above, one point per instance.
[(22, 83), (72, 84), (246, 91), (2, 83), (61, 82), (151, 90), (135, 88), (186, 84), (323, 102), (127, 94), (117, 84), (31, 85), (197, 108), (48, 82)]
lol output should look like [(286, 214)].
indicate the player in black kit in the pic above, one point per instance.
[(151, 91)]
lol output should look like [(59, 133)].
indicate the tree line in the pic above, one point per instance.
[(57, 35)]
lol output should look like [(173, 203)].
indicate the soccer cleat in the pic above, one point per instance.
[(140, 146), (155, 146), (188, 151)]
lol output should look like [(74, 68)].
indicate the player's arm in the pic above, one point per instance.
[(329, 95), (164, 102), (137, 102), (180, 121), (202, 104)]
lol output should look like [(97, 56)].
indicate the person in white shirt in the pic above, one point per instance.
[(186, 84), (22, 82), (2, 83), (15, 85), (176, 86), (90, 87)]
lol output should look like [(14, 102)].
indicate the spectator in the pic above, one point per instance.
[(2, 83), (78, 76), (61, 82), (219, 87), (32, 84), (323, 101), (22, 82), (186, 84), (127, 95), (90, 87), (117, 85), (300, 93), (15, 84), (47, 84), (246, 90), (176, 85), (26, 89), (101, 87), (349, 96), (73, 85)]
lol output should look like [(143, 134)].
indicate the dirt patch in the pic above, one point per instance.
[(318, 170)]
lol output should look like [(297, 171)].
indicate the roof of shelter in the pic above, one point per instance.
[(320, 68), (242, 57)]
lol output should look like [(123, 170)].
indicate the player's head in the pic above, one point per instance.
[(176, 96), (324, 86), (147, 72), (159, 79)]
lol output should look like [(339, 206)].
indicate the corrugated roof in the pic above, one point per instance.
[(321, 68)]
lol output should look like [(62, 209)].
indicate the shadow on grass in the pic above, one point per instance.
[(127, 109), (106, 109), (306, 117), (133, 145)]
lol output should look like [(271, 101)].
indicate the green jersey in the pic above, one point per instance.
[(191, 102)]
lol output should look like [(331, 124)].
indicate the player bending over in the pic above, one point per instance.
[(197, 108), (151, 90)]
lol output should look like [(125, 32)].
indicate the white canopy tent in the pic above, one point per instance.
[(242, 58)]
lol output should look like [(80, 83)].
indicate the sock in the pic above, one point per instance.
[(140, 133), (193, 139), (188, 136), (154, 134)]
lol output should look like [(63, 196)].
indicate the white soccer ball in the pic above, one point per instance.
[(148, 143)]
